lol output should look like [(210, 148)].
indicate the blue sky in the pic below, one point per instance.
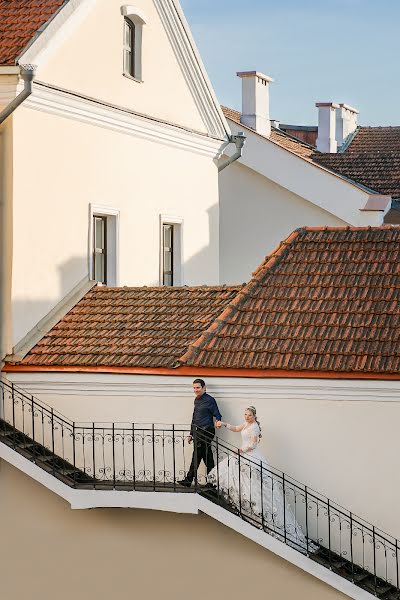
[(316, 50)]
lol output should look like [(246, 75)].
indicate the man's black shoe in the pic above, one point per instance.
[(185, 482)]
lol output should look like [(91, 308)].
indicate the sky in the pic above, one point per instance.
[(315, 50)]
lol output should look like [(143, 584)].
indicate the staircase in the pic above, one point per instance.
[(138, 457)]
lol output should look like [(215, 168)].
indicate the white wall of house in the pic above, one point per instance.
[(76, 153), (77, 164), (255, 215), (337, 436)]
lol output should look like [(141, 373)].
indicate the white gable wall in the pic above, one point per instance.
[(256, 214), (89, 60)]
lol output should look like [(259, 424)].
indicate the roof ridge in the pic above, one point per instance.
[(270, 260)]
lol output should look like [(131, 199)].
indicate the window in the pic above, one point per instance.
[(171, 264), (129, 47), (168, 258), (134, 19), (100, 249), (103, 244)]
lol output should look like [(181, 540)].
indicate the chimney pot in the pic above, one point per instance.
[(255, 101), (346, 122), (326, 140)]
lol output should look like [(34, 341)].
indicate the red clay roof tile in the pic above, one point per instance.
[(145, 327), (328, 299), (19, 22)]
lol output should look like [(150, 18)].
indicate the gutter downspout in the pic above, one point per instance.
[(27, 73), (239, 141)]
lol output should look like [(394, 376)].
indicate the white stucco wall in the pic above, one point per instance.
[(339, 437), (255, 215), (88, 59), (61, 166)]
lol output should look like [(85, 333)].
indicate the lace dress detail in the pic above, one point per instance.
[(257, 491)]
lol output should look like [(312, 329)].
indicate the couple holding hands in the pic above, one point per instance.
[(248, 484)]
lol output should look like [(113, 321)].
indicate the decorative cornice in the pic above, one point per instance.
[(191, 67), (49, 99)]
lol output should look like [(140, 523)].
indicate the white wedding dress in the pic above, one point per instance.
[(257, 491)]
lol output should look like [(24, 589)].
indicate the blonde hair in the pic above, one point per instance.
[(253, 410)]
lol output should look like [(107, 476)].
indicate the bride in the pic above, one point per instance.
[(242, 487)]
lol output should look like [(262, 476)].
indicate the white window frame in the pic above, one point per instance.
[(137, 17), (112, 215), (177, 271)]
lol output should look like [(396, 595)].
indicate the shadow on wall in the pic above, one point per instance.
[(203, 267), (26, 313)]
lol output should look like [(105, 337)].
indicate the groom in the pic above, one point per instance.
[(205, 409)]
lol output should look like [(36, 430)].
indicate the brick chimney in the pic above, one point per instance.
[(255, 101), (346, 122), (326, 140)]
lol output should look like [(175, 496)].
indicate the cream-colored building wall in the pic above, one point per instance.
[(109, 553), (255, 215), (90, 61), (63, 165), (339, 437)]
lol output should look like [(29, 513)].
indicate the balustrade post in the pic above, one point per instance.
[(329, 535), (52, 440), (218, 469), (94, 457), (154, 457), (240, 487), (33, 428), (374, 545), (74, 451), (397, 564), (351, 547), (284, 506), (262, 496), (113, 453), (133, 457), (13, 411), (307, 537), (173, 457), (195, 456)]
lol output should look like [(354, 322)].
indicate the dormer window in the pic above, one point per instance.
[(134, 20)]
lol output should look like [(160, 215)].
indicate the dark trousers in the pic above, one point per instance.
[(202, 450)]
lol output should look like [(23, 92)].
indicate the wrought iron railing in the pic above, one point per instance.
[(133, 456)]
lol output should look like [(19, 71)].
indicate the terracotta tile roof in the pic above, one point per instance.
[(328, 299), (280, 137), (19, 21), (372, 159), (131, 327)]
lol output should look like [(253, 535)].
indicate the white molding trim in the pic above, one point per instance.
[(190, 62), (49, 38), (227, 389), (74, 12), (133, 13), (178, 275), (179, 503), (328, 190), (62, 103), (113, 231)]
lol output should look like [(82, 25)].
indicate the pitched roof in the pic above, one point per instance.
[(20, 21), (280, 137), (372, 158), (131, 327), (328, 299)]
